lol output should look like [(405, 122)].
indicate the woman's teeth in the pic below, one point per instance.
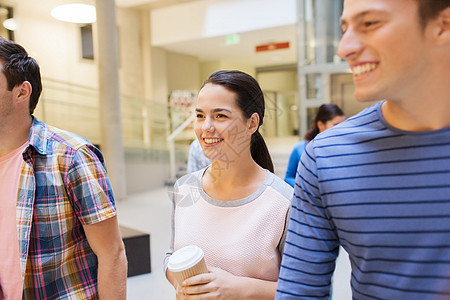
[(211, 140)]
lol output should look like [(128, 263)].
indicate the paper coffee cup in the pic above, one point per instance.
[(187, 262)]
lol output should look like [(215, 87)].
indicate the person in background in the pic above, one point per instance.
[(379, 183), (60, 238), (235, 209), (327, 116), (196, 159)]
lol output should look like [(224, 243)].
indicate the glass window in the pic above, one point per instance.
[(313, 86), (7, 22), (87, 43), (322, 31)]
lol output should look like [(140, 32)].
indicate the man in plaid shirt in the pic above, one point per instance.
[(59, 233)]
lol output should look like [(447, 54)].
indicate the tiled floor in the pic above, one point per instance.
[(150, 212)]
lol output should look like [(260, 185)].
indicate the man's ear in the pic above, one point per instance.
[(442, 27), (22, 92), (253, 123)]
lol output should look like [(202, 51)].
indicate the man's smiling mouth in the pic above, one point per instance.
[(363, 68)]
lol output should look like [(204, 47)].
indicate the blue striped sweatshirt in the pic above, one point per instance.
[(384, 195)]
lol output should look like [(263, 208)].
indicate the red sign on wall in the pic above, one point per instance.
[(272, 46)]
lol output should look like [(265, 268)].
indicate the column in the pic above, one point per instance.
[(109, 95), (301, 58)]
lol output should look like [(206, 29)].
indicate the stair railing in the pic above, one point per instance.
[(171, 140)]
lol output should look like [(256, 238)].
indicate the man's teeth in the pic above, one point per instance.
[(212, 141), (362, 69)]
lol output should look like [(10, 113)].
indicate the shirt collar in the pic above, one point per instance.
[(38, 136)]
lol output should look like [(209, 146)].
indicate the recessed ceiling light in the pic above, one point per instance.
[(10, 24), (75, 13)]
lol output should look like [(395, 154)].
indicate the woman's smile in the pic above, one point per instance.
[(212, 140)]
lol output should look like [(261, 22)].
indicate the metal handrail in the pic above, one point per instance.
[(171, 140)]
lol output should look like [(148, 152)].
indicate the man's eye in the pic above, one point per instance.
[(199, 116), (370, 23), (220, 116)]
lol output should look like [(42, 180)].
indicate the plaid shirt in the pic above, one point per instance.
[(63, 186)]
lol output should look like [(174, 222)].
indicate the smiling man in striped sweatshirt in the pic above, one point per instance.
[(378, 184)]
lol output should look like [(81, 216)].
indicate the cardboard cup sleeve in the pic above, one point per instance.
[(187, 262)]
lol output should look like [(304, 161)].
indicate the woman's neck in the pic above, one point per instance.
[(233, 180)]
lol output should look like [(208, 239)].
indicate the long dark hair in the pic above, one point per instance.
[(325, 113), (250, 99)]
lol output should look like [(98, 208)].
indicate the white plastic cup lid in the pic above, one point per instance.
[(185, 258)]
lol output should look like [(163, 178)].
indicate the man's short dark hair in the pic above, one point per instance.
[(19, 67), (430, 9)]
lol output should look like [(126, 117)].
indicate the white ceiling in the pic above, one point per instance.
[(212, 49), (244, 53)]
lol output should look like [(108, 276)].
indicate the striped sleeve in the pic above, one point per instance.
[(311, 243)]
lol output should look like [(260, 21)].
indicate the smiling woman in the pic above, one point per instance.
[(246, 102), (230, 110), (225, 208)]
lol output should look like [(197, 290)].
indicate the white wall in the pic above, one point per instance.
[(55, 45), (279, 81), (207, 68), (182, 71), (130, 41)]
